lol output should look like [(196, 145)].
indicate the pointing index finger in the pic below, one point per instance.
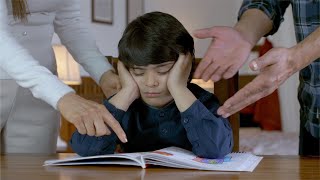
[(114, 125)]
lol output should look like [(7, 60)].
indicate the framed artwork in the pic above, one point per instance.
[(102, 11)]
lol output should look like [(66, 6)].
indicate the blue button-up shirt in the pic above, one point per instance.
[(306, 14), (199, 129)]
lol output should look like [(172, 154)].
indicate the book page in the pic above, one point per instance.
[(119, 159), (180, 158)]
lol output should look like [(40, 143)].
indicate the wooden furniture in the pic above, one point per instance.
[(90, 90), (28, 166)]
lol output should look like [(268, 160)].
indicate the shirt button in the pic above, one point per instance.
[(24, 33), (185, 120), (161, 114), (164, 131)]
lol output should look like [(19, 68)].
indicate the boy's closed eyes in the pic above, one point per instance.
[(161, 69)]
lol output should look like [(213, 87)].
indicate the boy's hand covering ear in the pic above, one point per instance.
[(110, 83), (179, 74), (127, 82)]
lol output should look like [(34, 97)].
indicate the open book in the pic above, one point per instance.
[(170, 157)]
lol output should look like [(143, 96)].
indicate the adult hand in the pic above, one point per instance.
[(179, 74), (275, 67), (227, 53), (110, 83), (89, 117)]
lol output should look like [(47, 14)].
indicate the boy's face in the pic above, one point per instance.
[(152, 83)]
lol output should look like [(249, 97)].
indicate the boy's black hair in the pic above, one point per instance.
[(154, 38)]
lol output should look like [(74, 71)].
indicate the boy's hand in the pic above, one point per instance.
[(128, 84), (110, 83), (129, 91), (177, 82), (179, 74)]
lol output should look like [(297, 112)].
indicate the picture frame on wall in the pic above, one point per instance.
[(102, 11)]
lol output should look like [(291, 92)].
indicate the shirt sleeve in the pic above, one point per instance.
[(78, 40), (209, 134), (274, 9), (86, 145), (24, 69), (118, 114)]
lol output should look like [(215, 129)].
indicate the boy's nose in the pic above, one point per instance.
[(151, 80)]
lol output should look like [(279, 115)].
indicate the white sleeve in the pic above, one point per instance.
[(24, 69), (78, 40)]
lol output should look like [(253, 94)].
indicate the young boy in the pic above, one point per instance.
[(157, 106)]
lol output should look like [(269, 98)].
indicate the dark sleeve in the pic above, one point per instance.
[(209, 134), (115, 112), (274, 9), (86, 145)]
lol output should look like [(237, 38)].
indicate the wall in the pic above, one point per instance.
[(196, 14), (135, 9)]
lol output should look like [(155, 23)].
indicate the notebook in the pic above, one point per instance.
[(173, 157)]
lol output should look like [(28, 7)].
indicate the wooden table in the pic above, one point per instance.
[(29, 167)]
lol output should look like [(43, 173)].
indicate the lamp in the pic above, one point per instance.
[(68, 68)]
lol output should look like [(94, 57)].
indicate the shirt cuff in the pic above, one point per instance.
[(188, 119), (116, 113), (60, 91), (85, 145)]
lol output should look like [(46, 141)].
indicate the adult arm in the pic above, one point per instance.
[(275, 67), (27, 72), (24, 69), (230, 47), (86, 145), (78, 40), (80, 43)]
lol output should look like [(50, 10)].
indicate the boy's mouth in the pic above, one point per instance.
[(151, 94)]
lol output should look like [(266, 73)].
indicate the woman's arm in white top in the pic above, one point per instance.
[(24, 69), (78, 39)]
